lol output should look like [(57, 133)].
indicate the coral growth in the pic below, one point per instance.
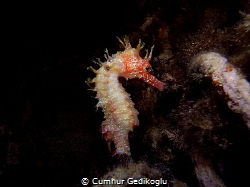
[(244, 25), (120, 114), (225, 75)]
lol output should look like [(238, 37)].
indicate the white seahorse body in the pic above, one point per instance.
[(119, 112)]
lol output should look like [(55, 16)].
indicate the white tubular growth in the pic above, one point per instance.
[(226, 76)]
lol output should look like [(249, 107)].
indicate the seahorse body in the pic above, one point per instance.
[(119, 112)]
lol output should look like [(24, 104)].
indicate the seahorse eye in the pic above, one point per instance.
[(107, 68), (149, 69)]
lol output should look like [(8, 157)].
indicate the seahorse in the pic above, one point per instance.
[(119, 112)]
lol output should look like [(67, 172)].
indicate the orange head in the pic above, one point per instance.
[(137, 67), (134, 65)]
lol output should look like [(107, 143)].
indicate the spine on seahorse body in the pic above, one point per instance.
[(119, 112)]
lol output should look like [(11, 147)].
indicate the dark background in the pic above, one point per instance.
[(50, 130)]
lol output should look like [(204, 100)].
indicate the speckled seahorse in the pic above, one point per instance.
[(120, 114)]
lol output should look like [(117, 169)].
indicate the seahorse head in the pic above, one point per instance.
[(129, 64), (134, 65)]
